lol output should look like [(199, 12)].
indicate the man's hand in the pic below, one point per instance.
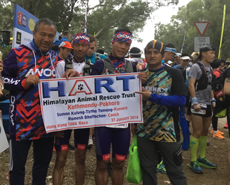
[(146, 94), (1, 65), (143, 77), (197, 107), (70, 73), (139, 65), (59, 134), (31, 80)]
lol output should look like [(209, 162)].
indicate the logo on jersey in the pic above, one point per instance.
[(41, 72)]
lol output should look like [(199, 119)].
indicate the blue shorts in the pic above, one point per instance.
[(81, 138), (118, 137)]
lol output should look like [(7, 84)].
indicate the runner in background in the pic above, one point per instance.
[(184, 60), (176, 60), (65, 49), (135, 57), (23, 68), (202, 100), (216, 66), (163, 94), (93, 56), (80, 48), (170, 52)]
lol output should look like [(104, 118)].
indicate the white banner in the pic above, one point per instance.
[(90, 101), (3, 141)]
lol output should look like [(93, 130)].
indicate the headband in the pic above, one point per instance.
[(171, 50), (122, 36), (81, 37)]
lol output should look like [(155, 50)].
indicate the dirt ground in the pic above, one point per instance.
[(217, 153)]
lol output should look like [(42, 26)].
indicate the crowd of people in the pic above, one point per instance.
[(170, 81)]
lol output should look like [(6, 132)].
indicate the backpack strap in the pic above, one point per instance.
[(97, 56), (68, 63), (128, 66), (108, 65), (86, 70)]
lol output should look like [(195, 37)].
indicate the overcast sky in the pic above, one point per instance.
[(163, 15)]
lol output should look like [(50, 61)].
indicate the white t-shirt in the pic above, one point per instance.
[(60, 68)]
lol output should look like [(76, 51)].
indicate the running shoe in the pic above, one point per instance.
[(206, 163), (161, 168), (212, 132), (195, 167), (218, 136), (226, 125)]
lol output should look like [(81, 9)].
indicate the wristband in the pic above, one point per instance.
[(194, 101), (213, 100)]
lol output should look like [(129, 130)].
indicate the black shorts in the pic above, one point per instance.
[(208, 111)]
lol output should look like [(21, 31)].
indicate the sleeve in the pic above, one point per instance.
[(97, 68), (60, 69), (178, 85), (9, 74), (195, 72), (134, 67), (172, 101)]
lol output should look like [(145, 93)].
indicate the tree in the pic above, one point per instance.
[(104, 16), (197, 10)]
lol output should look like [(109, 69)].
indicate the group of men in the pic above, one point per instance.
[(164, 91)]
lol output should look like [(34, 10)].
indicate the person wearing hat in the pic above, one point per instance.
[(176, 59), (81, 44), (163, 94), (135, 57), (65, 49), (170, 52), (184, 60), (116, 135), (202, 100)]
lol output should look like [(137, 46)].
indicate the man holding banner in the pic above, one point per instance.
[(81, 43), (164, 93), (117, 135), (24, 66)]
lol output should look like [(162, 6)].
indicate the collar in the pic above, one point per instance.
[(157, 69), (37, 50), (111, 57)]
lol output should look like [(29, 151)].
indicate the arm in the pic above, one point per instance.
[(227, 86), (9, 74), (172, 101), (192, 87), (60, 69)]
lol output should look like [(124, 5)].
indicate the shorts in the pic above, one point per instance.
[(120, 139), (206, 115), (81, 138)]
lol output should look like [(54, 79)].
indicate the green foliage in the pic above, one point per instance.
[(197, 10), (5, 51), (104, 16)]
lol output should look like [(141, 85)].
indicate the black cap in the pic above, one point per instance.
[(135, 52), (205, 48)]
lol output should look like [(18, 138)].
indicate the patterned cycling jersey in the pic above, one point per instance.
[(26, 121)]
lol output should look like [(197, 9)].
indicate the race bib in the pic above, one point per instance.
[(202, 111)]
